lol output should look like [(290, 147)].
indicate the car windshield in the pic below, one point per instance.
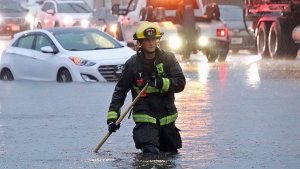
[(80, 40), (74, 8), (111, 17), (10, 7), (231, 14)]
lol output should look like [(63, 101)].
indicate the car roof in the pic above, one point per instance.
[(229, 6), (66, 1), (56, 30), (70, 29), (9, 1)]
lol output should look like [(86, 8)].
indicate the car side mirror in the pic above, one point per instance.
[(48, 49)]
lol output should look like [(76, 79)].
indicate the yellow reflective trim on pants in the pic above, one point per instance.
[(168, 119), (144, 118), (166, 85), (112, 115)]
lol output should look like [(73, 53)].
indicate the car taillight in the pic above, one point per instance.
[(221, 32)]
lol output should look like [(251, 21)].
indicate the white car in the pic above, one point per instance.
[(62, 13), (64, 55)]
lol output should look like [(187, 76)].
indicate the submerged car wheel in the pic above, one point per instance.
[(6, 75), (64, 76)]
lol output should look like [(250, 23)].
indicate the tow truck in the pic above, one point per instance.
[(188, 28), (277, 27)]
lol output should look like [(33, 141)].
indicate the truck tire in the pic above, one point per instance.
[(276, 41), (119, 33), (39, 26), (142, 14), (149, 14), (222, 57), (186, 53), (262, 40), (212, 57), (280, 44)]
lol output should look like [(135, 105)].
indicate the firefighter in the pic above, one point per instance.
[(155, 112)]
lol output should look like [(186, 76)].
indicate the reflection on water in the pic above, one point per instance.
[(146, 161), (54, 125), (194, 106), (138, 160), (253, 79), (2, 150)]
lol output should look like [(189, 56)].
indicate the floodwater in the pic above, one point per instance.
[(240, 114)]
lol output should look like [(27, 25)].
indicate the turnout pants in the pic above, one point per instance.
[(166, 138)]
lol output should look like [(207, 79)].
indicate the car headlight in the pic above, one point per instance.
[(82, 62), (68, 20), (174, 42), (113, 28), (30, 18), (85, 23), (203, 41)]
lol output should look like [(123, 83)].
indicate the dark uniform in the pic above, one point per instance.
[(155, 112)]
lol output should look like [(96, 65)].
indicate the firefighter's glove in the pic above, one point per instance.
[(113, 127), (156, 82), (163, 84)]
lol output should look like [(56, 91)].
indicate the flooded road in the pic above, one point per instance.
[(243, 113)]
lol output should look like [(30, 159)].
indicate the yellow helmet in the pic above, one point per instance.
[(147, 30)]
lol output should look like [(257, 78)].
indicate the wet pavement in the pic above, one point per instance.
[(240, 114)]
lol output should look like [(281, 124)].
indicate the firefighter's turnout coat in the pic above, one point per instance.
[(155, 106)]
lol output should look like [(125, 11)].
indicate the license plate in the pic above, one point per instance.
[(236, 40), (15, 28)]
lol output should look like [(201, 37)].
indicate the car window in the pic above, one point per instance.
[(231, 14), (111, 17), (101, 41), (52, 7), (74, 8), (41, 41), (24, 42), (102, 14), (46, 6), (86, 40), (132, 5), (97, 13), (10, 7)]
